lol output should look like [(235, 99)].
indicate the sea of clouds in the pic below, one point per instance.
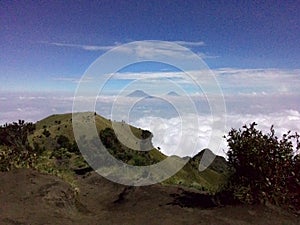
[(265, 96), (183, 135), (168, 132)]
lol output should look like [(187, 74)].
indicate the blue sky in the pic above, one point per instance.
[(252, 47), (43, 41)]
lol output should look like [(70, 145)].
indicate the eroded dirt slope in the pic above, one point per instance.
[(29, 197)]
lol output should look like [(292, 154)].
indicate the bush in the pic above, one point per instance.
[(63, 141), (46, 132), (108, 138), (265, 168), (15, 150), (61, 154)]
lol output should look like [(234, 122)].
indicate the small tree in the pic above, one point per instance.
[(264, 167)]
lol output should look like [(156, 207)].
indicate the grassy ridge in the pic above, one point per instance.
[(65, 161)]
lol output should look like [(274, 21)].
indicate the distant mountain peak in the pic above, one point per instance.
[(138, 93), (173, 93)]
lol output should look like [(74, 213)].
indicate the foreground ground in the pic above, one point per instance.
[(29, 197)]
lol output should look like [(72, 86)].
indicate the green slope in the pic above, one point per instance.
[(65, 158)]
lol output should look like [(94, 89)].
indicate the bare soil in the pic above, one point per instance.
[(29, 197)]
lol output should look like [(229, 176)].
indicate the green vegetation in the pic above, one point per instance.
[(22, 145), (208, 180), (15, 151), (264, 167), (123, 153)]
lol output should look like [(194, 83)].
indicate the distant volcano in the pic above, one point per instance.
[(138, 94), (173, 93)]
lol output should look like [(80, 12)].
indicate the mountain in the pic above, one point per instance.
[(219, 164), (57, 152), (138, 94), (142, 94), (173, 93), (55, 135)]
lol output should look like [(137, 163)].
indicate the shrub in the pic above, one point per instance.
[(265, 168), (15, 150), (46, 133), (63, 141)]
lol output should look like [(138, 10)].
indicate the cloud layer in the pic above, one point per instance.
[(108, 47), (189, 131), (266, 96), (168, 132)]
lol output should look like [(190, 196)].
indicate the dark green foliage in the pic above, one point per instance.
[(74, 148), (139, 160), (37, 149), (15, 133), (123, 153), (61, 154), (63, 141), (265, 168), (46, 133), (15, 150), (146, 134), (57, 122), (108, 138)]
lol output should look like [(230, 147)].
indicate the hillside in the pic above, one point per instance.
[(54, 135)]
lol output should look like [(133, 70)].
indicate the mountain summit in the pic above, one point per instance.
[(173, 93), (138, 94)]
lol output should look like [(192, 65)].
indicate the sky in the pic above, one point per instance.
[(252, 48)]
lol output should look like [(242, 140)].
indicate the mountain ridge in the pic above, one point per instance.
[(60, 125)]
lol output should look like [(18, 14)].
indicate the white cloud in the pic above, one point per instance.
[(76, 80), (241, 82), (153, 49), (141, 48), (29, 97), (178, 135), (207, 56), (168, 132), (190, 43), (65, 78), (83, 47), (108, 47), (259, 80), (147, 75)]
